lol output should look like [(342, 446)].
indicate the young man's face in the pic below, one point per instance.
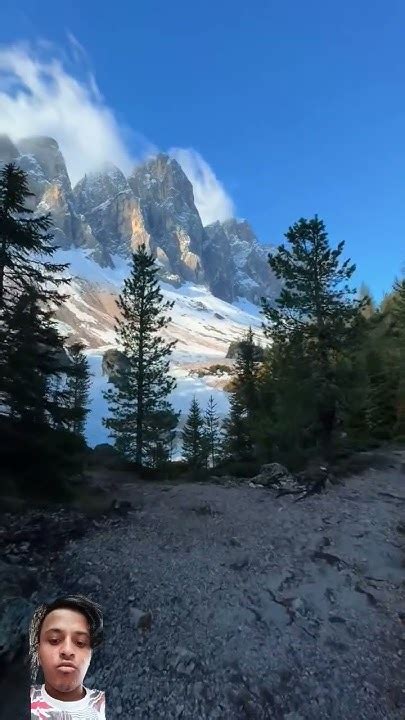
[(64, 651)]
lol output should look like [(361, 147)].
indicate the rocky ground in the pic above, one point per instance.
[(224, 601)]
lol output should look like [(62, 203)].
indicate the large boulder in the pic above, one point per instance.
[(113, 361), (275, 476), (236, 346)]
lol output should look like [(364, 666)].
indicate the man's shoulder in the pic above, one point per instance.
[(96, 698)]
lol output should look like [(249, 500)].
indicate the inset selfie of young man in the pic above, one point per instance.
[(63, 635)]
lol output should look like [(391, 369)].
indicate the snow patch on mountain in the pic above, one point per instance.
[(202, 324)]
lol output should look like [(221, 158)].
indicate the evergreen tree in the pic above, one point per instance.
[(193, 437), (78, 388), (137, 402), (31, 363), (25, 244), (29, 340), (26, 366), (239, 442), (32, 399), (212, 431), (286, 419), (398, 332), (317, 306), (367, 301), (159, 443)]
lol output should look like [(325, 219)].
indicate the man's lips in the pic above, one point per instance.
[(67, 667)]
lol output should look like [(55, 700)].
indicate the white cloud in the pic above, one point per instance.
[(212, 201), (50, 91), (39, 97)]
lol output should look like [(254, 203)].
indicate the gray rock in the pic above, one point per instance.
[(140, 619), (90, 580), (184, 661), (113, 361), (274, 475)]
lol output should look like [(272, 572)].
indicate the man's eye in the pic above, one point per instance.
[(53, 641)]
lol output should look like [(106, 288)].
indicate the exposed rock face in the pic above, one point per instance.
[(99, 187), (253, 277), (218, 265), (110, 215), (107, 203), (46, 152), (48, 179), (236, 264), (170, 216)]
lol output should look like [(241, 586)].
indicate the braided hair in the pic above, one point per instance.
[(90, 609)]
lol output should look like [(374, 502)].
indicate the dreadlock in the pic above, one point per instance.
[(90, 609)]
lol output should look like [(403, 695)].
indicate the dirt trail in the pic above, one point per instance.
[(261, 607)]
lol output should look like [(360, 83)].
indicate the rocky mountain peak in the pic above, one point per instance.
[(99, 186), (111, 215), (236, 263), (161, 179), (46, 152), (240, 229), (169, 217)]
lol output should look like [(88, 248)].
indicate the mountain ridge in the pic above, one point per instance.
[(109, 214)]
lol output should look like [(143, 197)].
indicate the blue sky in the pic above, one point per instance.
[(298, 107)]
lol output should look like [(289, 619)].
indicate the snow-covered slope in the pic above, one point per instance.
[(202, 324)]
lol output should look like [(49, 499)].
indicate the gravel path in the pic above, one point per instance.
[(261, 607)]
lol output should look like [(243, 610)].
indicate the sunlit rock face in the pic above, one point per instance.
[(109, 216)]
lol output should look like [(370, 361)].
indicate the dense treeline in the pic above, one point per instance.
[(333, 377)]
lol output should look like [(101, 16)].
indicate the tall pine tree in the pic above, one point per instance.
[(78, 388), (316, 305), (138, 400), (193, 437), (26, 247), (212, 431), (239, 442), (398, 332)]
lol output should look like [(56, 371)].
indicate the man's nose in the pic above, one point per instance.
[(67, 648)]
